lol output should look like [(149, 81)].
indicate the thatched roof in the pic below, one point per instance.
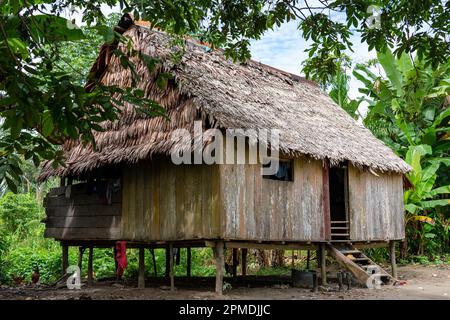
[(224, 94)]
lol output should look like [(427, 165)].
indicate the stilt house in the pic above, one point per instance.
[(337, 187)]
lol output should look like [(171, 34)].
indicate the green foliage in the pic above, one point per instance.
[(338, 87), (42, 98), (22, 261), (19, 214), (408, 110)]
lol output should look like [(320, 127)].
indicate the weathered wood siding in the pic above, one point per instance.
[(376, 206), (163, 201), (255, 208), (73, 213)]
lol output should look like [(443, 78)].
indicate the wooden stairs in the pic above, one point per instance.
[(340, 231), (357, 263)]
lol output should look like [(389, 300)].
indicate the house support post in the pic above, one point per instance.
[(393, 261), (65, 257), (141, 276), (219, 267), (235, 262), (308, 257), (80, 258), (323, 264), (188, 262), (90, 267), (171, 272), (154, 262), (244, 252), (168, 256)]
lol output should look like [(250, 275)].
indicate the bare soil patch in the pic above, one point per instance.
[(423, 282)]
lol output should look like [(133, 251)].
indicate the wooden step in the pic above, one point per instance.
[(340, 234), (350, 252), (369, 265), (339, 222), (339, 228), (360, 259)]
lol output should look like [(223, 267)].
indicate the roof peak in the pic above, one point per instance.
[(292, 76)]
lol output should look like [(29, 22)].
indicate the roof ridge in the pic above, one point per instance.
[(269, 68)]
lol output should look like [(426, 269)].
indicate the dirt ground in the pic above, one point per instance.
[(423, 282)]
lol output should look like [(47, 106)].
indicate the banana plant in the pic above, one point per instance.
[(408, 108), (422, 196)]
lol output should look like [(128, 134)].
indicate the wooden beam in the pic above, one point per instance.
[(90, 267), (219, 267), (235, 262), (154, 262), (65, 257), (393, 260), (244, 252), (188, 262), (268, 246), (171, 272), (141, 276)]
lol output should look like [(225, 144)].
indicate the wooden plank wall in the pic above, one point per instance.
[(261, 209), (77, 215), (163, 201), (376, 206)]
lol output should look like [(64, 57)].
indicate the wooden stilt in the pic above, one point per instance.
[(90, 267), (188, 262), (168, 256), (219, 267), (308, 258), (323, 264), (141, 277), (393, 260), (80, 259), (171, 272), (244, 252), (292, 259), (154, 262), (235, 262), (65, 257)]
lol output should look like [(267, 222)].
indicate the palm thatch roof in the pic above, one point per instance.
[(208, 87)]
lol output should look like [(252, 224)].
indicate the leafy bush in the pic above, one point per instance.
[(23, 260), (20, 214)]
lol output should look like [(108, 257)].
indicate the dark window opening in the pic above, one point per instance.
[(284, 172)]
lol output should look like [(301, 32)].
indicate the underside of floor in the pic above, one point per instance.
[(352, 261)]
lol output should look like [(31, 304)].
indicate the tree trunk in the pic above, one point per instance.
[(277, 258), (262, 258)]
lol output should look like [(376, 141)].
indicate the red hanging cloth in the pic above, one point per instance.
[(120, 256)]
